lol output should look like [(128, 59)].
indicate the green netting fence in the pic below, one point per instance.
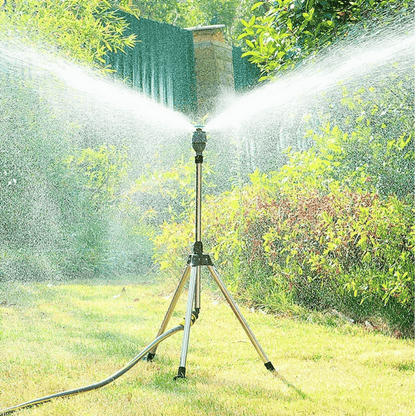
[(246, 74), (161, 64)]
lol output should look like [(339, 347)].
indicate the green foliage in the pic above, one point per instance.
[(94, 176), (362, 137), (344, 243), (61, 186), (168, 190), (28, 215), (85, 30), (281, 35), (98, 173), (173, 245), (162, 196), (225, 12), (379, 146), (82, 30), (166, 194), (333, 228)]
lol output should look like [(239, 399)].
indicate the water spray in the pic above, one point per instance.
[(193, 271)]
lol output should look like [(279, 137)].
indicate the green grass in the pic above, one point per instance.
[(72, 334)]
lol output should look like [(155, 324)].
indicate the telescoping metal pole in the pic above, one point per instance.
[(199, 140)]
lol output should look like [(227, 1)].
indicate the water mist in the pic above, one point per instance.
[(51, 112)]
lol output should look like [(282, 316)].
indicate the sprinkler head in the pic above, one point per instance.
[(199, 140)]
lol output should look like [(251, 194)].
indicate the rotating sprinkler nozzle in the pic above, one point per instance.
[(199, 140)]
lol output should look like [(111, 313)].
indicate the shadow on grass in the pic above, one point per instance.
[(301, 394), (163, 380)]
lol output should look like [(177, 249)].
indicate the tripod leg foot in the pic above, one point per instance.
[(181, 373), (270, 366), (150, 356)]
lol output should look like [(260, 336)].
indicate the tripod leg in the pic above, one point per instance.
[(188, 321), (240, 317), (174, 301)]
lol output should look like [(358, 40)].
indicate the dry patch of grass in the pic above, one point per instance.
[(67, 335)]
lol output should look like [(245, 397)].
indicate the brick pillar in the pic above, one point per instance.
[(213, 68)]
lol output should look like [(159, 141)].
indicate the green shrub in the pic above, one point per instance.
[(343, 243)]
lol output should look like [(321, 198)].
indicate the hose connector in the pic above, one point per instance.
[(194, 317)]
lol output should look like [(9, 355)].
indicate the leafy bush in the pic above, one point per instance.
[(327, 247)]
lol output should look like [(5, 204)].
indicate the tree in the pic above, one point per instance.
[(280, 35), (226, 12)]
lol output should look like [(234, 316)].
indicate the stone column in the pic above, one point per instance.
[(213, 68)]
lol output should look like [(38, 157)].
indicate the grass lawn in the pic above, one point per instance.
[(60, 336)]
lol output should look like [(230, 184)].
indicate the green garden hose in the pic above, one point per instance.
[(100, 384)]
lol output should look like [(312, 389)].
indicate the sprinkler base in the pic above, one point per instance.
[(181, 373), (270, 366)]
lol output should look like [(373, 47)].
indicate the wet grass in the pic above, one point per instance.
[(60, 336)]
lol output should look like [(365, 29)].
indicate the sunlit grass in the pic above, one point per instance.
[(67, 335)]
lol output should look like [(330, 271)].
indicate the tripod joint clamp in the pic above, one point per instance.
[(199, 260)]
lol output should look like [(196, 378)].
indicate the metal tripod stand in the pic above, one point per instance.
[(193, 269)]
